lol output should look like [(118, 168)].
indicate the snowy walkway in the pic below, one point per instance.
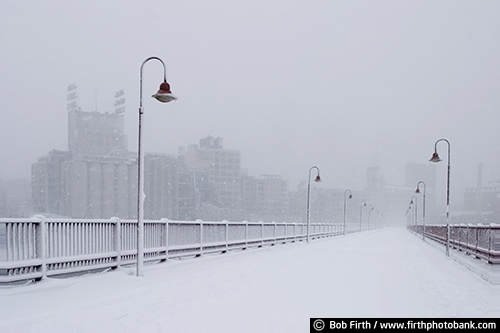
[(382, 273)]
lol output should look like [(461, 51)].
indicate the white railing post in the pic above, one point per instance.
[(165, 236), (494, 257), (227, 235), (40, 243), (117, 239), (261, 233), (274, 233), (490, 241), (201, 236), (246, 234)]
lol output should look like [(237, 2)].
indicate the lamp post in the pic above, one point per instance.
[(435, 158), (415, 210), (423, 207), (345, 203), (363, 204), (408, 220), (317, 179), (163, 95)]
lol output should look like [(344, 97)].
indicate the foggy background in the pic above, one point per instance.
[(342, 85)]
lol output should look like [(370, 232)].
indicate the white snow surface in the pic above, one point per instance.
[(381, 273)]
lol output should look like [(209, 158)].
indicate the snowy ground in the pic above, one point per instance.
[(381, 273)]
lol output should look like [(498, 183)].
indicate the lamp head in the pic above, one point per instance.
[(350, 196), (417, 190), (435, 157), (317, 179), (164, 94)]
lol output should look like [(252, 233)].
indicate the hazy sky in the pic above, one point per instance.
[(343, 85)]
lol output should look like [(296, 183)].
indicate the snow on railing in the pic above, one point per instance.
[(33, 248), (482, 241)]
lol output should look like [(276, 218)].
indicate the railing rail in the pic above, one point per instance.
[(38, 247), (482, 241)]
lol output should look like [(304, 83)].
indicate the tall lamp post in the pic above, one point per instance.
[(363, 204), (408, 217), (163, 95), (345, 203), (317, 179), (423, 207), (415, 210), (435, 158)]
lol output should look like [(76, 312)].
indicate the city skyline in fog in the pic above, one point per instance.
[(343, 86)]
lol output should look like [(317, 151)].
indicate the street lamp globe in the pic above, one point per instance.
[(164, 94), (435, 158)]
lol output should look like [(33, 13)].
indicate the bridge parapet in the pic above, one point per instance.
[(480, 240), (34, 248)]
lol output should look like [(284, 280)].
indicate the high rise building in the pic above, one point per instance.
[(95, 178), (161, 186), (272, 198), (265, 198), (222, 167), (99, 187), (46, 182), (94, 133), (99, 181)]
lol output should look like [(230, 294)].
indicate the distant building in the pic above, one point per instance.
[(161, 186), (95, 178), (46, 182), (99, 187), (265, 198), (485, 198), (249, 197), (325, 204), (221, 168), (373, 181), (393, 200), (481, 203), (94, 133)]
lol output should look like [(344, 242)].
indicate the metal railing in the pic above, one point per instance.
[(482, 241), (34, 248)]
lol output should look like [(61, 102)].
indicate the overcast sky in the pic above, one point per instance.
[(343, 85)]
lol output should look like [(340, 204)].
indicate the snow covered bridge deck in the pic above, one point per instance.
[(379, 273)]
